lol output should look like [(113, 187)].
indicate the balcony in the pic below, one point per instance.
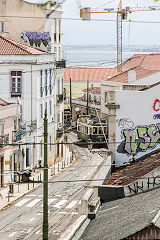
[(59, 98), (17, 135), (59, 133), (15, 94), (4, 140), (61, 64)]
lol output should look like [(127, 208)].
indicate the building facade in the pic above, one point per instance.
[(10, 133), (29, 78)]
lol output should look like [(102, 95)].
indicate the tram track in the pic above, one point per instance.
[(59, 188)]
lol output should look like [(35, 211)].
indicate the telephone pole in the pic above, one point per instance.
[(87, 97), (71, 95), (45, 184)]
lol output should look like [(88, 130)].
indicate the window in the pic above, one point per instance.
[(41, 110), (46, 80), (58, 117), (15, 124), (95, 130), (59, 30), (59, 53), (41, 150), (58, 86), (16, 83), (106, 97), (1, 27), (62, 87), (1, 129), (50, 81), (50, 107), (46, 107), (41, 83), (21, 112), (55, 24)]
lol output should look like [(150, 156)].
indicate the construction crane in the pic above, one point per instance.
[(85, 14)]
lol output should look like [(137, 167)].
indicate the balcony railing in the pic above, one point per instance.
[(59, 132), (4, 140), (59, 98), (15, 94), (17, 135), (61, 64)]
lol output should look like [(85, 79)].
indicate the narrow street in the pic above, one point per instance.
[(23, 220)]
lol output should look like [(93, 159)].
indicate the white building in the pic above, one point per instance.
[(28, 76), (131, 102)]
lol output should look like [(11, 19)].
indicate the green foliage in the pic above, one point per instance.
[(50, 3)]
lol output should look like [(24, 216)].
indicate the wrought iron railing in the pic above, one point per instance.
[(4, 140)]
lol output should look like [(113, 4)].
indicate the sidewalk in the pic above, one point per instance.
[(21, 189)]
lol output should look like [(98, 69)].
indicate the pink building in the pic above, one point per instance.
[(9, 133)]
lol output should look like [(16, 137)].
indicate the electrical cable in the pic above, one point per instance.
[(78, 19)]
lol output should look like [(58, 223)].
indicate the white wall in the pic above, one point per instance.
[(136, 117)]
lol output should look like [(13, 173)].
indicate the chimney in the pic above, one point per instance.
[(131, 76)]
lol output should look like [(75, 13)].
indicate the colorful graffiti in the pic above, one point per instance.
[(140, 139), (36, 38)]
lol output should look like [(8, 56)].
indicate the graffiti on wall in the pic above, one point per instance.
[(140, 139), (145, 184), (36, 38), (156, 108), (124, 122)]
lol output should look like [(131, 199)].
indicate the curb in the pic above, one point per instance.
[(76, 230)]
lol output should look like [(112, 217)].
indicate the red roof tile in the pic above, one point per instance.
[(9, 46), (95, 90), (88, 74), (128, 174), (140, 73)]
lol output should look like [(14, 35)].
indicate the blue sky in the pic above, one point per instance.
[(78, 32)]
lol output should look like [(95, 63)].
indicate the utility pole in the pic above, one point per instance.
[(45, 181), (71, 96), (87, 96)]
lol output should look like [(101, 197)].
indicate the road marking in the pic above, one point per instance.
[(34, 202), (37, 232), (72, 213), (109, 209), (72, 204), (57, 195), (60, 204), (83, 177), (30, 220), (51, 200), (12, 234), (19, 204)]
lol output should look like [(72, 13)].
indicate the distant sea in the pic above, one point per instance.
[(100, 56)]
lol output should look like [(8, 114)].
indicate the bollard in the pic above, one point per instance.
[(33, 182), (28, 185), (64, 164), (18, 187), (40, 177), (58, 167), (54, 171)]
